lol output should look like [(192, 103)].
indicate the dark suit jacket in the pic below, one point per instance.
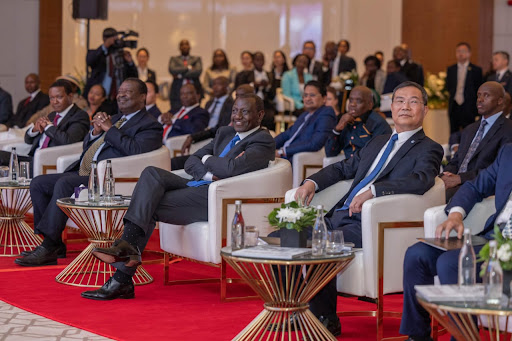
[(154, 111), (499, 135), (195, 120), (247, 77), (412, 169), (392, 81), (413, 71), (471, 85), (259, 149), (318, 73), (109, 107), (5, 106), (179, 72), (347, 64), (224, 120), (151, 75), (506, 80), (72, 128), (313, 135), (141, 134), (494, 180), (24, 112)]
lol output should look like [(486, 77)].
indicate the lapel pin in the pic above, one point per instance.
[(412, 141)]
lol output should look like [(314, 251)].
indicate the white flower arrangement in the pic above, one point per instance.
[(292, 216), (435, 86)]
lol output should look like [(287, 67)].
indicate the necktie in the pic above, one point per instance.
[(47, 138), (213, 118), (226, 150), (287, 143), (373, 173), (27, 101), (473, 147), (169, 126), (85, 166)]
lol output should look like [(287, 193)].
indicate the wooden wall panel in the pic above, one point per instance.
[(50, 41)]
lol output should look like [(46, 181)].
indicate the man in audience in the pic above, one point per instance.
[(188, 119), (315, 66), (412, 70), (330, 53), (30, 105), (220, 115), (151, 107), (405, 162), (462, 82), (358, 126), (312, 128), (162, 196), (131, 132), (185, 69), (480, 141), (502, 74), (342, 62), (5, 106), (102, 62), (394, 77), (65, 125), (423, 262), (145, 73)]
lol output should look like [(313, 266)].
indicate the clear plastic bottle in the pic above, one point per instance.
[(94, 185), (467, 261), (13, 166), (237, 227), (493, 278), (109, 184), (319, 241)]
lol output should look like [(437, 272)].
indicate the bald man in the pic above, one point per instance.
[(358, 126)]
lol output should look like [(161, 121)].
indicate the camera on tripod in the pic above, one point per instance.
[(121, 42)]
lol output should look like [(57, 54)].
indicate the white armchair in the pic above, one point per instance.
[(174, 145), (22, 148), (46, 159), (333, 159), (305, 164), (201, 241)]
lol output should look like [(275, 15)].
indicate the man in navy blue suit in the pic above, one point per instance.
[(312, 128), (151, 107), (423, 262), (131, 132)]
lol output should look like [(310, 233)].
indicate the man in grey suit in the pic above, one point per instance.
[(163, 196), (184, 69)]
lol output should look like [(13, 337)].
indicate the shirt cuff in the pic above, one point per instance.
[(316, 185), (30, 132), (335, 132), (93, 137), (204, 158), (208, 176), (458, 209), (374, 192), (48, 126)]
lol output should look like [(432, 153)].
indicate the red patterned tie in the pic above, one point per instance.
[(47, 138), (27, 101)]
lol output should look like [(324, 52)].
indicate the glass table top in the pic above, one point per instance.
[(121, 202), (13, 185), (277, 253)]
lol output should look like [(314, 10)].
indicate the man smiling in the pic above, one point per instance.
[(163, 196)]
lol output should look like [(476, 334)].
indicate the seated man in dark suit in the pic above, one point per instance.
[(151, 107), (5, 106), (131, 132), (163, 196), (480, 141), (358, 126), (188, 119), (65, 125), (312, 128), (405, 162), (422, 262)]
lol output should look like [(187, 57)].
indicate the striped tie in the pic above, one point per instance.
[(473, 147)]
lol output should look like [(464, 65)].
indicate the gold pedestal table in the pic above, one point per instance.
[(286, 286), (15, 234), (459, 318), (102, 224)]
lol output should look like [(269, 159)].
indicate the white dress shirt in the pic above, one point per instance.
[(214, 116)]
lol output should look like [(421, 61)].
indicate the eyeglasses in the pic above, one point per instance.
[(412, 102)]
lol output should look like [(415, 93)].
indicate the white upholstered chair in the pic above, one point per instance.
[(333, 159), (201, 241), (306, 163), (174, 145)]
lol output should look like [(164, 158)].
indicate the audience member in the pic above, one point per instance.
[(185, 69), (412, 70), (246, 61), (279, 67), (294, 80), (314, 66), (131, 132), (373, 77), (331, 100), (405, 162), (188, 119), (145, 73), (30, 105), (162, 196), (342, 62), (102, 62), (380, 56), (480, 141), (423, 262), (98, 102), (358, 126), (312, 128), (462, 82), (330, 53), (502, 74), (151, 107), (5, 106), (394, 77), (220, 67)]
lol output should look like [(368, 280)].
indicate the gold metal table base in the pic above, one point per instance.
[(102, 225), (15, 234), (286, 287)]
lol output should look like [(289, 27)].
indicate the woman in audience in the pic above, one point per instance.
[(293, 81), (279, 66), (219, 67), (246, 60), (331, 100), (97, 99), (373, 77), (145, 73)]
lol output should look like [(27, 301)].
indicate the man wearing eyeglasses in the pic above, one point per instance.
[(405, 162)]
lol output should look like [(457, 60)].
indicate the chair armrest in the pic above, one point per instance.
[(22, 148), (301, 162), (45, 159), (198, 145), (64, 162), (328, 197), (333, 159), (182, 173), (174, 145)]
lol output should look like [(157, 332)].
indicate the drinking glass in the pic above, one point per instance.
[(24, 176), (335, 242), (4, 173), (251, 236)]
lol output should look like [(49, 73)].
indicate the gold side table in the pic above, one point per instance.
[(458, 318), (15, 234), (102, 224), (275, 281)]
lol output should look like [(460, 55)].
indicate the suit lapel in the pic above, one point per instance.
[(411, 142), (463, 148), (370, 155), (66, 118), (494, 129), (131, 122)]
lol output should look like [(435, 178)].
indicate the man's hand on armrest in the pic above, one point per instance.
[(454, 222), (356, 206), (185, 148)]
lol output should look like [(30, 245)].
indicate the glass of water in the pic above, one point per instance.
[(335, 242), (24, 175), (251, 236)]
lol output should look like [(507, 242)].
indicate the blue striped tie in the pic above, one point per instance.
[(372, 175), (226, 150)]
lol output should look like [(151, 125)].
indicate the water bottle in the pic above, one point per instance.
[(109, 184), (467, 261), (507, 231), (13, 166), (319, 241), (493, 277), (94, 186), (237, 227)]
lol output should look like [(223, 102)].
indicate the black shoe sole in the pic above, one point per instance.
[(124, 297), (34, 265), (129, 261)]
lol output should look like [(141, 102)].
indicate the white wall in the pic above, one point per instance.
[(19, 24), (502, 27)]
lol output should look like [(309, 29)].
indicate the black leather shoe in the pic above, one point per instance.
[(61, 251), (39, 257), (120, 251), (279, 327), (332, 325), (111, 290)]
